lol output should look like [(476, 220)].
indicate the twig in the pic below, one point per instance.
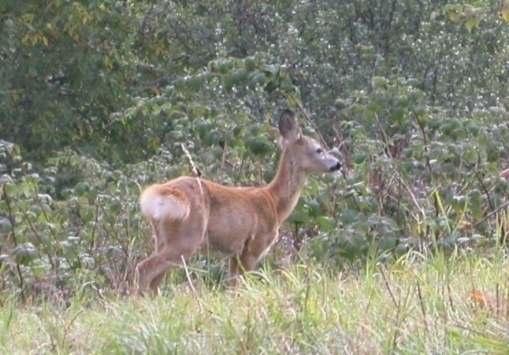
[(190, 283), (412, 196), (223, 157), (423, 307), (506, 301), (196, 171), (497, 293), (388, 287), (426, 149), (501, 207), (14, 239), (40, 240), (449, 293), (93, 235), (485, 189)]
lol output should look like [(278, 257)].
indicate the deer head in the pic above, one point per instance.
[(305, 152)]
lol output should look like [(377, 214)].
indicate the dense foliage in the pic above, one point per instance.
[(98, 98)]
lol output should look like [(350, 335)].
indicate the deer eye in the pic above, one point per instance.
[(319, 150)]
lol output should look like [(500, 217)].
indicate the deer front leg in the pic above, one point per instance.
[(254, 250), (239, 265), (233, 276)]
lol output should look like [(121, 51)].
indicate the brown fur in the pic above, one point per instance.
[(189, 213)]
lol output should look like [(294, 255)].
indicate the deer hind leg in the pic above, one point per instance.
[(156, 281), (152, 269), (235, 270), (181, 244), (158, 245)]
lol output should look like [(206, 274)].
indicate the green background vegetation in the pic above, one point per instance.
[(97, 99)]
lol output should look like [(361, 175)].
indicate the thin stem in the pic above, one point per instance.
[(14, 239)]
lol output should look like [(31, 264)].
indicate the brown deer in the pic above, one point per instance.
[(189, 213)]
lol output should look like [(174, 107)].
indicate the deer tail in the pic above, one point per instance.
[(160, 202)]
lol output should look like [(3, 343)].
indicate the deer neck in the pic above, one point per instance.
[(286, 186)]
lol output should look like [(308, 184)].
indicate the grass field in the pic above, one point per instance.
[(418, 304)]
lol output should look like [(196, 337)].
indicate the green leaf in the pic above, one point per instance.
[(5, 226), (24, 253), (472, 23)]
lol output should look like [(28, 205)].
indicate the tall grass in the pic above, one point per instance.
[(417, 304)]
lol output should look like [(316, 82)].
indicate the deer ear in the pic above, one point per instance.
[(288, 126)]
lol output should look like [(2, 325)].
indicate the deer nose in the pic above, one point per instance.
[(335, 167)]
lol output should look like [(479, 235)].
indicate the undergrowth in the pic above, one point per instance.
[(417, 304)]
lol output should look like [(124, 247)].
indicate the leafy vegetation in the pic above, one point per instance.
[(98, 99)]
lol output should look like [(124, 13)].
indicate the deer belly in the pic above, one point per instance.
[(230, 235)]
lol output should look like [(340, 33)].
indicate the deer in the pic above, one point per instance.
[(189, 214)]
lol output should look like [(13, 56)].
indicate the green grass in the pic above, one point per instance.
[(415, 305)]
